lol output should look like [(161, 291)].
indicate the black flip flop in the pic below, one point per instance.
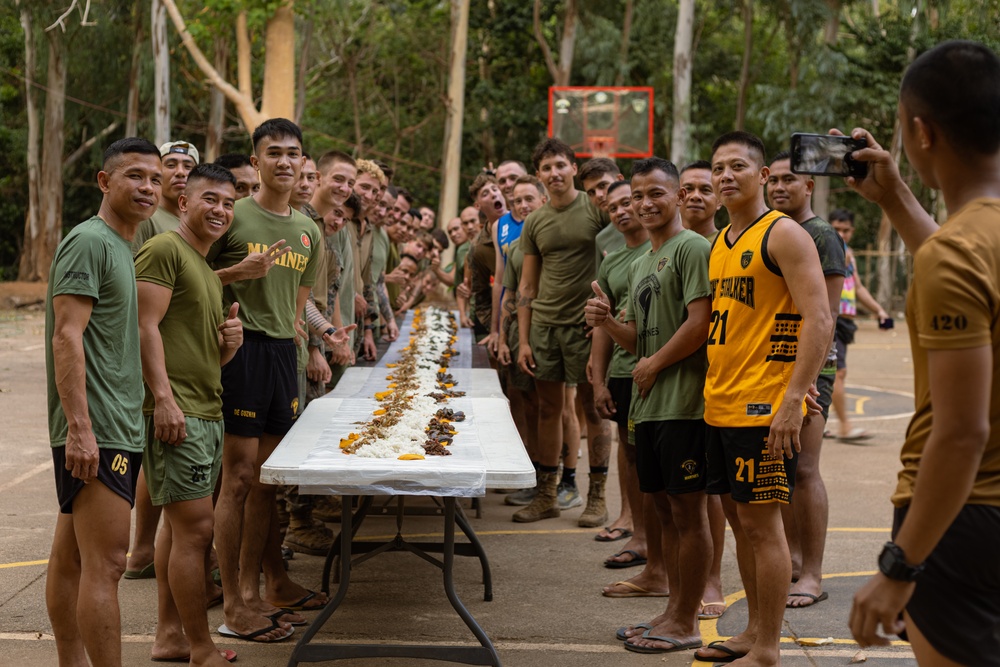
[(731, 655), (623, 534), (620, 565)]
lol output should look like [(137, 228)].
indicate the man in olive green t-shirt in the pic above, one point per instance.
[(177, 158), (94, 377), (558, 241), (260, 385), (666, 326), (185, 338)]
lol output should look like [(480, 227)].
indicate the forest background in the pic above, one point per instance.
[(371, 77)]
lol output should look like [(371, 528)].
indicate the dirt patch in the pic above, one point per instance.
[(15, 295)]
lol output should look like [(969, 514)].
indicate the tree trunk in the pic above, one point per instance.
[(132, 103), (683, 57), (300, 81), (560, 71), (626, 38), (352, 91), (452, 159), (217, 105), (744, 84), (832, 28), (161, 74), (278, 99), (32, 228)]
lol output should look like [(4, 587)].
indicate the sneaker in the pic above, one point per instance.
[(568, 497), (522, 497)]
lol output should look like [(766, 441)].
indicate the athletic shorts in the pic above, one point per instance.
[(621, 394), (260, 387), (117, 469), (512, 377), (843, 335), (187, 471), (561, 353), (670, 456), (956, 603), (738, 464), (824, 383)]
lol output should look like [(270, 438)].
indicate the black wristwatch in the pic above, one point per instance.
[(892, 563), (330, 331)]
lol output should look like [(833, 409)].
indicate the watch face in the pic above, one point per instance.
[(886, 561)]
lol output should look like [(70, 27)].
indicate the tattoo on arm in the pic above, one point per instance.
[(524, 302)]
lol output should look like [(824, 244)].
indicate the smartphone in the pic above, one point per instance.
[(827, 155), (887, 323)]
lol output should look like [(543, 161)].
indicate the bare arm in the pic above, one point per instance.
[(498, 268), (254, 265), (167, 416), (690, 336), (527, 291), (71, 313), (862, 293), (793, 250)]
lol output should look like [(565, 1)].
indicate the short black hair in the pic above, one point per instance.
[(751, 141), (440, 237), (956, 86), (233, 161), (391, 189), (113, 153), (352, 202), (276, 128), (549, 148), (211, 172), (697, 164), (386, 169), (618, 184), (407, 197), (646, 165), (779, 156), (844, 214)]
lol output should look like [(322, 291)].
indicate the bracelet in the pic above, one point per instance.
[(369, 327), (330, 331)]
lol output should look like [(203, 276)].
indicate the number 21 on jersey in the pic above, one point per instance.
[(717, 335)]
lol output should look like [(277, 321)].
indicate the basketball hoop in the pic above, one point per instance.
[(614, 122)]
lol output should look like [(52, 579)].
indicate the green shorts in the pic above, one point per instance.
[(561, 353), (189, 470)]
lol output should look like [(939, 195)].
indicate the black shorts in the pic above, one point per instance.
[(670, 456), (738, 463), (956, 603), (260, 387), (117, 469), (843, 335), (621, 394)]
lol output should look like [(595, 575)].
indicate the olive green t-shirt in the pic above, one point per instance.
[(190, 327), (460, 253), (608, 240), (94, 261), (158, 223), (612, 276), (661, 285), (380, 257), (564, 240), (342, 243), (267, 305)]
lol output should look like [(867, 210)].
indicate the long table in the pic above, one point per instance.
[(486, 453)]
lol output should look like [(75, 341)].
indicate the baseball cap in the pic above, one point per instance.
[(182, 147)]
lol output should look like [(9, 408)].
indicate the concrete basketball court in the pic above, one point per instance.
[(547, 608)]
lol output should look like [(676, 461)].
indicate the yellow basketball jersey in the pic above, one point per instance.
[(754, 330)]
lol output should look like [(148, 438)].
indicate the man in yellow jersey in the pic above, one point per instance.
[(942, 568), (770, 330)]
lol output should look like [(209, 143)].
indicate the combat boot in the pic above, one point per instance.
[(545, 505), (596, 512)]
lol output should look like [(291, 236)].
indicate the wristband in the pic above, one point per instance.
[(369, 327), (330, 331)]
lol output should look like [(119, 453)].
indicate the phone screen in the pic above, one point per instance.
[(826, 155)]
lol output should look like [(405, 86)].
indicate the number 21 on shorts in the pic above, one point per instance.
[(744, 470)]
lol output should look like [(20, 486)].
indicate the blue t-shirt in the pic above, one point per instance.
[(508, 231)]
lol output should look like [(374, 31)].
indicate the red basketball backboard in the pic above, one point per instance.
[(603, 122)]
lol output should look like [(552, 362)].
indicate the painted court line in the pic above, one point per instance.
[(27, 474)]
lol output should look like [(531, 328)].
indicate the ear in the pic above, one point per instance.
[(681, 196), (254, 162), (104, 181), (810, 184), (924, 133), (764, 174), (182, 201)]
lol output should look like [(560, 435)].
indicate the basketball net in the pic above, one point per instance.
[(601, 145)]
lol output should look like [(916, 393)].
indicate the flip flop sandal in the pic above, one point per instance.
[(620, 633), (815, 598), (301, 605), (635, 592), (252, 637), (702, 616), (148, 572), (623, 533), (620, 565), (227, 654), (719, 645), (675, 645)]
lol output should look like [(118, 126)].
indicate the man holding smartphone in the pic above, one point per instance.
[(941, 571)]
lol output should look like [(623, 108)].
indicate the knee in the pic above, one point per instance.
[(237, 478), (195, 534)]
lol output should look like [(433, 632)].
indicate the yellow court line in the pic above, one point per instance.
[(26, 563)]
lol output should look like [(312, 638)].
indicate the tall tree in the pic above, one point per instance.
[(161, 73), (560, 70), (683, 57), (744, 84), (278, 90), (452, 159)]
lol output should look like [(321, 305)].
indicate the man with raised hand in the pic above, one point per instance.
[(807, 517), (941, 571), (94, 377), (770, 331), (666, 325), (185, 338), (559, 264), (178, 159), (260, 388)]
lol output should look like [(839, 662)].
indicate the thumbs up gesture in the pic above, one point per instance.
[(598, 309), (231, 330)]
